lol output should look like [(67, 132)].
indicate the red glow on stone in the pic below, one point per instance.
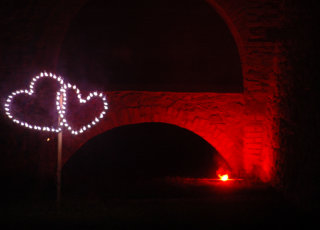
[(222, 124)]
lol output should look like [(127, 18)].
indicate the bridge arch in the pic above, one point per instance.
[(179, 46), (219, 122)]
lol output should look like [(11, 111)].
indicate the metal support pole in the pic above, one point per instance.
[(59, 161), (59, 166)]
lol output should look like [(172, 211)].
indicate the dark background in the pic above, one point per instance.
[(151, 45)]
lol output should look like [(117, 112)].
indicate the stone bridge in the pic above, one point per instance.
[(243, 127)]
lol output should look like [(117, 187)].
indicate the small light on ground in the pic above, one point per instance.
[(224, 177), (48, 139)]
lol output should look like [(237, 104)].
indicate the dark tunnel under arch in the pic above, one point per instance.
[(126, 157)]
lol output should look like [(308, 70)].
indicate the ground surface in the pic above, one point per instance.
[(175, 204)]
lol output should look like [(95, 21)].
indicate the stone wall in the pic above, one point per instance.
[(215, 117), (298, 154)]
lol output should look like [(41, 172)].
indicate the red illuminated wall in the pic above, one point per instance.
[(216, 117), (242, 127)]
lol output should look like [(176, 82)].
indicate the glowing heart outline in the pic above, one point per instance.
[(30, 92), (61, 108)]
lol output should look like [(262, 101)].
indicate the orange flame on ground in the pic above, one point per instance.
[(224, 177), (223, 174)]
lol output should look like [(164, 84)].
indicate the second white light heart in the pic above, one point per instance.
[(61, 107)]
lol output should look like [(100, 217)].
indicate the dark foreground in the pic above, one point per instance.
[(175, 205)]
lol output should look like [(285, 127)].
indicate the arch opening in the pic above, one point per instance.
[(138, 159), (142, 45)]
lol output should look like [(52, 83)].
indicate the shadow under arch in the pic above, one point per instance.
[(125, 159)]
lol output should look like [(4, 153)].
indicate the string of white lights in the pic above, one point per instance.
[(61, 108)]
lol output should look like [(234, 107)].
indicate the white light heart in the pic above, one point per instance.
[(30, 92), (62, 108), (61, 101)]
